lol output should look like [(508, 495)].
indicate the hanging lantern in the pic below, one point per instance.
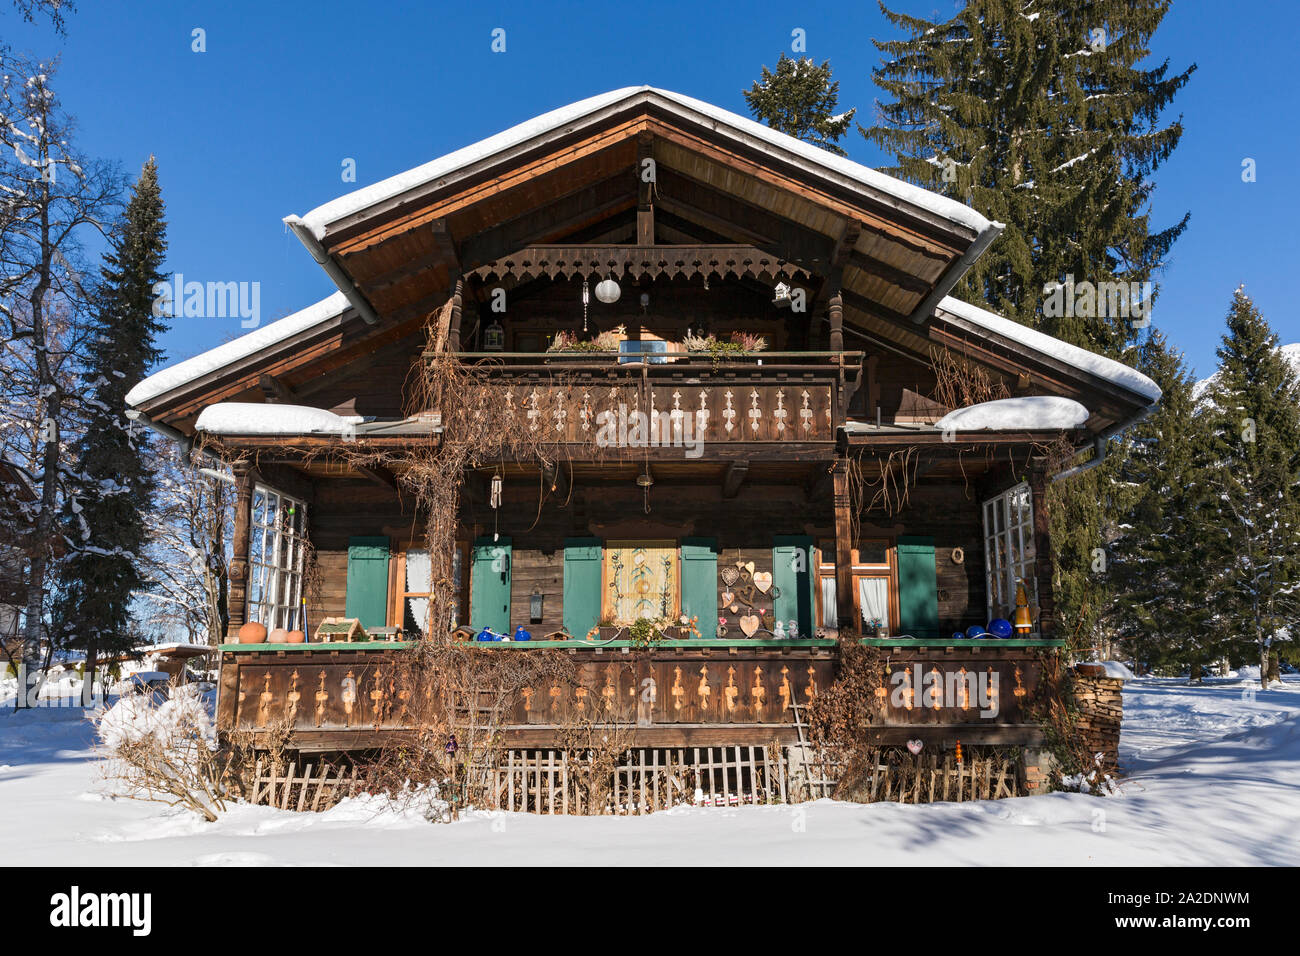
[(608, 291), (494, 337)]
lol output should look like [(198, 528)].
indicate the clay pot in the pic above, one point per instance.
[(279, 636), (252, 633), (297, 637)]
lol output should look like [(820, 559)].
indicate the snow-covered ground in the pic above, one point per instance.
[(1213, 779)]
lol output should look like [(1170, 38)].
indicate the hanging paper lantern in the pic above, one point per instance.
[(608, 291)]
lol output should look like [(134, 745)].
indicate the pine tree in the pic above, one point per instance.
[(1156, 559), (1045, 121), (1253, 406), (104, 522), (800, 99)]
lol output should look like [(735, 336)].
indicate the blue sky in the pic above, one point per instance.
[(258, 126)]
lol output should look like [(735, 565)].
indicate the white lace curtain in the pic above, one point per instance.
[(419, 578), (873, 598)]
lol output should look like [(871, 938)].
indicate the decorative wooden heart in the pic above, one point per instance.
[(749, 567), (763, 580), (728, 597), (750, 624), (915, 746), (735, 608), (729, 575)]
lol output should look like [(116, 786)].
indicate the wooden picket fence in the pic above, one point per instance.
[(644, 780), (647, 780), (929, 778), (316, 788)]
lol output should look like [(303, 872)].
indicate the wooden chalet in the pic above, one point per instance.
[(830, 496)]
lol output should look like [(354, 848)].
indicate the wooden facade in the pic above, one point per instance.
[(802, 494)]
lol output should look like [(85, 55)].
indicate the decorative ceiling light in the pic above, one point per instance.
[(608, 291)]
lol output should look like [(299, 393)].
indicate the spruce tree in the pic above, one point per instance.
[(1047, 122), (1253, 406), (104, 522), (800, 99), (1157, 557)]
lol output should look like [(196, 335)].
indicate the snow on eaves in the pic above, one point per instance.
[(174, 376), (1115, 372), (1026, 413), (354, 202), (256, 418)]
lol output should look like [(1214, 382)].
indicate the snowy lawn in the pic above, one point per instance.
[(1214, 779)]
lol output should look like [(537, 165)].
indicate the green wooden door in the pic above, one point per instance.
[(489, 585), (792, 574), (582, 558), (918, 587), (700, 583), (367, 597)]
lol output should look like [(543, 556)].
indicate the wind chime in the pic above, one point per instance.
[(495, 501), (586, 299)]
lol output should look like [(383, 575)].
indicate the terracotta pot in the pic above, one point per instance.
[(297, 637), (252, 633), (279, 636)]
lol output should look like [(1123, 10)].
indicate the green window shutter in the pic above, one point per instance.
[(918, 587), (367, 598), (700, 583), (792, 573), (582, 557), (489, 585)]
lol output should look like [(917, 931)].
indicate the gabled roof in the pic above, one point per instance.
[(394, 248), (344, 210)]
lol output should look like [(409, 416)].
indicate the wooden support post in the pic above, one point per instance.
[(645, 210), (1042, 552), (453, 329), (837, 322), (844, 603), (237, 598)]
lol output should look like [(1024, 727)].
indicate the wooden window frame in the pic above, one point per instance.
[(888, 570), (397, 593), (276, 579), (1016, 539)]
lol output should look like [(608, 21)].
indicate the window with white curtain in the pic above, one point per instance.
[(1009, 550), (417, 587), (277, 556), (873, 601)]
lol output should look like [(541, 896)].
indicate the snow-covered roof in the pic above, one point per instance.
[(256, 418), (1115, 372), (755, 133), (1026, 413), (182, 373)]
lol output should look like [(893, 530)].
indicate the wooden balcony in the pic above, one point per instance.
[(769, 398), (677, 693)]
